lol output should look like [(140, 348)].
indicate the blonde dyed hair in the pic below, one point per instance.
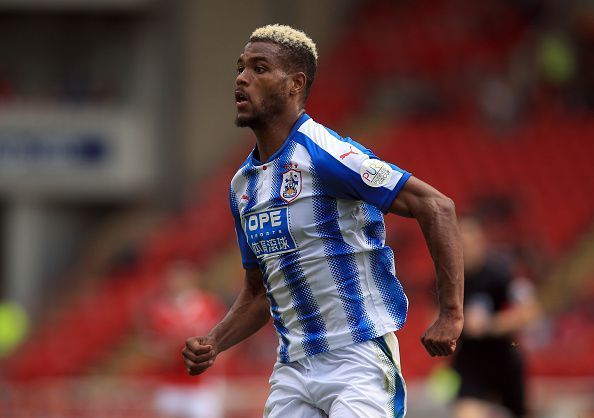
[(287, 36)]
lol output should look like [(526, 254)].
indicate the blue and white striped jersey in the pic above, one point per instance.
[(311, 220)]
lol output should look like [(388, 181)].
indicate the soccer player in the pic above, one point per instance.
[(308, 210), (497, 306)]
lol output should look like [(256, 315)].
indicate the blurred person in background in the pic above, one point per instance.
[(182, 307), (308, 210), (496, 307)]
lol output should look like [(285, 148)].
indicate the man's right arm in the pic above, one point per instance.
[(249, 313)]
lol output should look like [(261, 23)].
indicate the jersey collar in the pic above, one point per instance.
[(255, 162)]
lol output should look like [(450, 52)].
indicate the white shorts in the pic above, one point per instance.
[(360, 380)]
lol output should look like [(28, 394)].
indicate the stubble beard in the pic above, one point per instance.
[(270, 107)]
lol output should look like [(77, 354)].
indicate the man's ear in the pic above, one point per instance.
[(298, 81)]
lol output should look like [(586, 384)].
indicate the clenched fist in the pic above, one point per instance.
[(441, 337), (199, 354)]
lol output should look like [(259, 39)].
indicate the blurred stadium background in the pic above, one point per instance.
[(117, 144)]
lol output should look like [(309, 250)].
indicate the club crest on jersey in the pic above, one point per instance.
[(291, 185)]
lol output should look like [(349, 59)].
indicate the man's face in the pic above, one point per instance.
[(261, 84)]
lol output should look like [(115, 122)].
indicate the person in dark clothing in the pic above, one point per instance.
[(496, 306)]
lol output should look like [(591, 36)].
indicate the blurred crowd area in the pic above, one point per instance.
[(117, 146)]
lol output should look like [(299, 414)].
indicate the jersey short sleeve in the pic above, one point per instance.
[(248, 258), (348, 170)]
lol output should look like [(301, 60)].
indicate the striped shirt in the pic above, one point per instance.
[(311, 219)]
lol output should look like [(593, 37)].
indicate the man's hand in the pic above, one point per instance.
[(199, 354), (441, 337), (249, 313)]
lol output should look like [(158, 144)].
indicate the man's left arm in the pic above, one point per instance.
[(436, 215)]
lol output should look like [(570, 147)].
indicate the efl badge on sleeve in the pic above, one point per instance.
[(375, 173), (291, 185)]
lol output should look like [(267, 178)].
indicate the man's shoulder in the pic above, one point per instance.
[(318, 132), (317, 135)]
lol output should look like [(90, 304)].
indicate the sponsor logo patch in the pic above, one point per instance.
[(291, 185), (375, 173), (268, 232)]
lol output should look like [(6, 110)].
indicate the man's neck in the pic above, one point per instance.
[(272, 136)]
